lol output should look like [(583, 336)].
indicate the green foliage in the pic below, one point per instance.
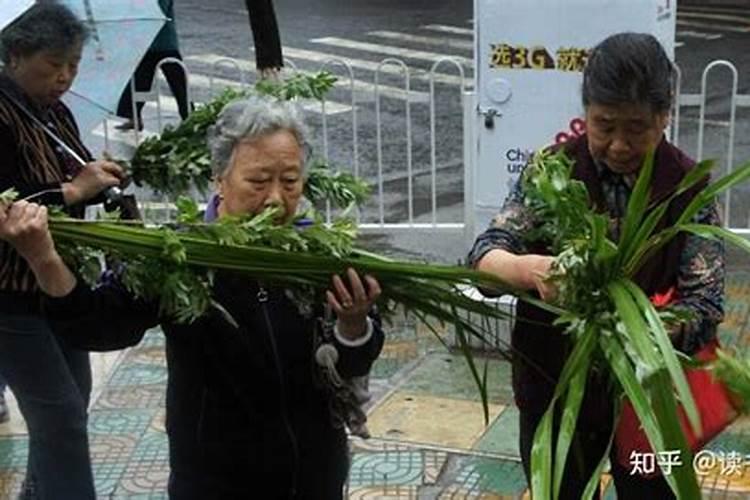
[(299, 86), (609, 318), (341, 188), (734, 371), (557, 200), (8, 196), (174, 265), (178, 159)]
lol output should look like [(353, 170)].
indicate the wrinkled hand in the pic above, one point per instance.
[(537, 269), (25, 226), (351, 304), (94, 178)]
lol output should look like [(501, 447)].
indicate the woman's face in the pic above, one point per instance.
[(621, 135), (47, 74), (265, 171)]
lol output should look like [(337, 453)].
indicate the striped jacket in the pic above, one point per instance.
[(31, 162)]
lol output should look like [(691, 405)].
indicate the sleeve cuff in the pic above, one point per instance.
[(67, 306), (358, 342)]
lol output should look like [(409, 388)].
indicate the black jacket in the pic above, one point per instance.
[(245, 407)]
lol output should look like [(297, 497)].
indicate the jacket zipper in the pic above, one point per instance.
[(263, 301)]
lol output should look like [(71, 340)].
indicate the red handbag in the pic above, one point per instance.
[(712, 399)]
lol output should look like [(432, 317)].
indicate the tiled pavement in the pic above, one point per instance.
[(429, 438)]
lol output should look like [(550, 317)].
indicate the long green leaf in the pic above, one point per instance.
[(665, 408), (707, 195), (635, 392), (541, 457), (709, 231), (700, 171), (696, 174), (661, 438), (636, 209), (592, 486), (668, 355), (480, 381), (566, 432), (635, 326)]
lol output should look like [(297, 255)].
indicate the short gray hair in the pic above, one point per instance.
[(45, 26), (248, 119)]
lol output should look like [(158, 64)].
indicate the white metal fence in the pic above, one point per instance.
[(374, 216), (737, 104)]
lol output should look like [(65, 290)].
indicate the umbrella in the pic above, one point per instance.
[(121, 32), (11, 9)]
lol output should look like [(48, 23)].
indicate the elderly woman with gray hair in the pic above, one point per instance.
[(247, 405)]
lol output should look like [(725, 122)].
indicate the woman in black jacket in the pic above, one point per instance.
[(247, 407)]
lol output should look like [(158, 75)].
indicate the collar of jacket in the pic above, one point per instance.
[(670, 166), (10, 87)]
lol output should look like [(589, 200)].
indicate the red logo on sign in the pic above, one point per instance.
[(576, 128)]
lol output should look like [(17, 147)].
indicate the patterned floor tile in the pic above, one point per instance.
[(10, 482), (107, 476), (397, 492), (147, 480), (459, 493), (387, 468), (13, 453), (131, 422), (422, 418), (139, 374), (501, 437), (106, 448), (145, 396), (152, 447), (485, 475), (448, 375)]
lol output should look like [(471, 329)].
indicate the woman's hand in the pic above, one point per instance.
[(24, 225), (537, 270), (94, 178), (526, 272), (351, 304)]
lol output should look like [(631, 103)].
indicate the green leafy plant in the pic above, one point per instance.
[(298, 86), (175, 264), (342, 189), (612, 323), (178, 160)]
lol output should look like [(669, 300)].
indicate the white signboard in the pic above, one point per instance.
[(529, 60)]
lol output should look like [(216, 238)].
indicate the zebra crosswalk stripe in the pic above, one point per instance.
[(714, 26), (324, 58), (387, 49), (426, 40), (715, 17), (443, 28), (359, 85)]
